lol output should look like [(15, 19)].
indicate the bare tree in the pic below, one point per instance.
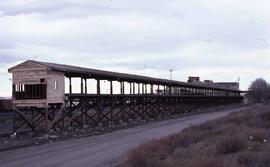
[(259, 90)]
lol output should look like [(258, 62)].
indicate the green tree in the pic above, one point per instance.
[(259, 90)]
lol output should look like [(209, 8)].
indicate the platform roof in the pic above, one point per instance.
[(74, 71)]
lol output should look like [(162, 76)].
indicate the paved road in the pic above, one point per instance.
[(99, 151)]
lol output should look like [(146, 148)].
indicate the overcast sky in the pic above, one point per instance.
[(219, 40)]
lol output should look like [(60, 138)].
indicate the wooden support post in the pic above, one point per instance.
[(158, 90), (120, 87), (13, 91), (81, 85), (146, 89), (98, 86), (14, 121), (85, 86), (133, 88), (46, 119), (143, 89), (130, 88), (123, 88), (164, 90), (98, 109), (111, 87), (152, 90), (63, 115), (70, 86), (138, 88), (111, 106)]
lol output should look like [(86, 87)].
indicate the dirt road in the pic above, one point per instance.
[(100, 151)]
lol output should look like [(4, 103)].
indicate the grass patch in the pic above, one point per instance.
[(240, 139), (230, 145)]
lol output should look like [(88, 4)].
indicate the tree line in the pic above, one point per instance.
[(259, 91)]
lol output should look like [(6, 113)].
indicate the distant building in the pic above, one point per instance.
[(193, 79), (208, 81), (230, 85)]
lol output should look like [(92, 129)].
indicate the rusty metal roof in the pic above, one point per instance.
[(74, 71)]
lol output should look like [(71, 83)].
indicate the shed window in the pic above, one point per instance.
[(55, 85), (19, 88), (42, 80), (35, 91)]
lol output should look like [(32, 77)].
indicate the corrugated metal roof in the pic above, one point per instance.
[(75, 71)]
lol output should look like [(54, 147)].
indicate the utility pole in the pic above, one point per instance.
[(171, 70)]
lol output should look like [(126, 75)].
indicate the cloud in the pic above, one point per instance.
[(138, 35), (8, 59)]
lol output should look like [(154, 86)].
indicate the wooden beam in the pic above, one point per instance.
[(85, 86), (81, 85), (123, 88), (133, 88), (120, 87), (164, 90), (111, 87), (98, 86), (130, 88), (70, 86)]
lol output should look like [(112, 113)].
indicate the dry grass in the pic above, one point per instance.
[(240, 139)]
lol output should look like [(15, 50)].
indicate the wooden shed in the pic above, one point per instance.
[(36, 85)]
